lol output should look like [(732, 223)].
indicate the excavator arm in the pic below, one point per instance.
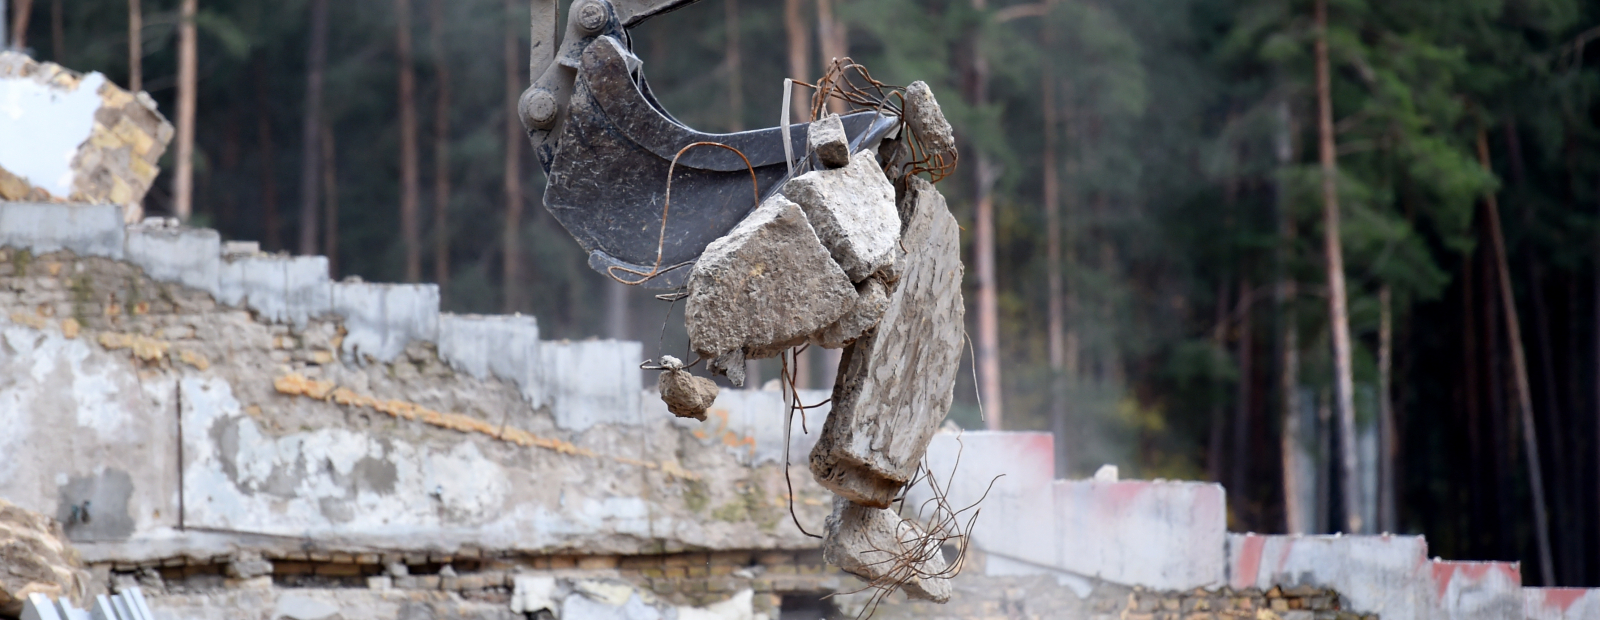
[(606, 145)]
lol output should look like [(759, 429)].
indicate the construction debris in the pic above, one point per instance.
[(686, 395), (826, 138), (35, 559), (872, 299), (927, 120), (877, 545), (76, 137), (765, 287), (853, 211), (895, 385)]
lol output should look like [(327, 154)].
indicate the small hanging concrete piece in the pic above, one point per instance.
[(927, 120), (895, 385), (853, 211), (877, 545), (764, 287), (872, 299), (686, 395), (826, 138)]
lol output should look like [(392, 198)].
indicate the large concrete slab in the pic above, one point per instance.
[(87, 230), (1390, 575), (1160, 535), (381, 319), (1561, 603), (1476, 590), (280, 289), (1016, 528), (188, 256), (500, 346), (592, 382)]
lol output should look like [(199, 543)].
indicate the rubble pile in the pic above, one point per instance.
[(35, 559), (833, 259)]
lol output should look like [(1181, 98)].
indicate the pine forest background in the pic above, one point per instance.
[(1152, 173)]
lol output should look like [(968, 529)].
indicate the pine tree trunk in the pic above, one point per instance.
[(441, 147), (1387, 444), (135, 46), (794, 27), (311, 128), (511, 242), (1333, 256), (410, 183), (1055, 304), (183, 176), (330, 203), (831, 38), (1215, 447), (266, 151), (1530, 437), (987, 172), (19, 23), (58, 36), (1297, 519), (1242, 404), (735, 60)]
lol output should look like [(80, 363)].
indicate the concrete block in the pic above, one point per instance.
[(279, 289), (86, 230), (1160, 535), (1560, 603), (506, 347), (1387, 575), (826, 138), (1476, 590), (853, 211), (187, 256), (381, 319), (1016, 528), (592, 382)]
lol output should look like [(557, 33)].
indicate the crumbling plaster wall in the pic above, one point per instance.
[(342, 414)]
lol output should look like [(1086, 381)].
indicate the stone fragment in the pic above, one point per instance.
[(877, 545), (927, 120), (895, 385), (826, 138), (247, 564), (765, 286), (872, 299), (76, 137), (686, 395), (730, 365), (853, 211), (35, 559)]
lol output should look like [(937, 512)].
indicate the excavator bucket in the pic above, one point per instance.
[(606, 145)]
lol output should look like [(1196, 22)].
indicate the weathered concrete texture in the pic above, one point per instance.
[(895, 386), (75, 137), (36, 559), (853, 211), (1164, 535), (592, 382), (506, 347), (927, 119), (765, 286), (263, 602), (686, 395), (188, 256), (826, 138), (872, 300), (1477, 590), (280, 289), (748, 422), (1011, 473), (87, 230), (1387, 574), (381, 319), (887, 551), (1560, 603)]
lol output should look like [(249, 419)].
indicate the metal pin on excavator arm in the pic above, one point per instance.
[(606, 144)]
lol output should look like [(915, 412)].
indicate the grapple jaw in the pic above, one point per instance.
[(606, 145)]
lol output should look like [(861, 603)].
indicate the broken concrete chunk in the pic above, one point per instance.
[(35, 558), (75, 137), (894, 386), (765, 286), (872, 299), (686, 395), (730, 365), (853, 211), (826, 138), (927, 120), (877, 545)]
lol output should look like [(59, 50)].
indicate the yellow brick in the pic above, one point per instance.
[(130, 134), (69, 328)]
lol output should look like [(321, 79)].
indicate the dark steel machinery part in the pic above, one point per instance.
[(606, 143)]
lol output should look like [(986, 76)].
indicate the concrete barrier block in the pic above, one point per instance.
[(187, 256), (87, 230), (592, 382), (381, 319), (1388, 575), (1160, 535), (280, 289), (506, 347), (1476, 590), (1016, 528), (1560, 603)]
